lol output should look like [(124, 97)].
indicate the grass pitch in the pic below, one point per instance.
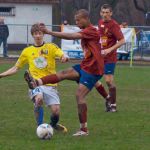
[(128, 129)]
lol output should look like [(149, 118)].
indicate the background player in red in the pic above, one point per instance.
[(111, 38), (87, 73)]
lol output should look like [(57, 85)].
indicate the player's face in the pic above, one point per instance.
[(106, 14), (38, 37), (81, 21)]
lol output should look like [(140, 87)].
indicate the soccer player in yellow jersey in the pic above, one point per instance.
[(40, 58)]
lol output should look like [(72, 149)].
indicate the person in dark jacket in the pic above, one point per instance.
[(4, 33)]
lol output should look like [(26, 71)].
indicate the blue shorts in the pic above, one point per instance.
[(109, 68), (89, 80)]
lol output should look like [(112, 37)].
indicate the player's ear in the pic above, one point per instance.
[(111, 13), (100, 13)]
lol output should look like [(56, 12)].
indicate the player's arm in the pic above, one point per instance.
[(114, 47), (67, 36), (64, 58), (58, 53), (118, 44), (22, 60), (116, 31), (9, 72)]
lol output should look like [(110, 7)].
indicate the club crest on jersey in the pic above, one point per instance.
[(40, 62), (43, 52)]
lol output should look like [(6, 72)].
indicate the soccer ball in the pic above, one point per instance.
[(44, 131)]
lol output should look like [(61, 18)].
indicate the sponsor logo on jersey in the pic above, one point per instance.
[(40, 62)]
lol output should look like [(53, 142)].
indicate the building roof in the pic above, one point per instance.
[(31, 1)]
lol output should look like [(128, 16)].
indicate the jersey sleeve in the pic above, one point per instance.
[(22, 60), (116, 30), (57, 51), (89, 33)]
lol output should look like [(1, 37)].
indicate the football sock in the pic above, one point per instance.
[(39, 112), (102, 91), (54, 120), (82, 113), (112, 93), (50, 79)]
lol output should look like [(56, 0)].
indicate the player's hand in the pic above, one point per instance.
[(105, 52), (64, 58), (44, 29)]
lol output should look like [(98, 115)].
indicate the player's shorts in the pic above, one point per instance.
[(109, 68), (86, 79), (49, 94)]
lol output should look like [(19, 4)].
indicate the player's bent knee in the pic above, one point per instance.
[(55, 112), (38, 96), (55, 109), (38, 101)]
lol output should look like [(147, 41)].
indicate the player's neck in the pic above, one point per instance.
[(108, 20), (38, 44)]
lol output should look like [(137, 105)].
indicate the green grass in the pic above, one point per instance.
[(128, 129)]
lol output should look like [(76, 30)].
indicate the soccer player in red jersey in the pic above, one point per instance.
[(87, 73), (111, 38)]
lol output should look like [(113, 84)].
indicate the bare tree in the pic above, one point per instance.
[(137, 6), (121, 12), (145, 9)]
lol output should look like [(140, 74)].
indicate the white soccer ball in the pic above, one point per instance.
[(44, 131)]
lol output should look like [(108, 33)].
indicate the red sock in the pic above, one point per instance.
[(84, 129), (50, 79), (82, 112), (101, 90), (112, 93)]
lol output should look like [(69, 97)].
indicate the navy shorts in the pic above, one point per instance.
[(89, 80), (109, 68)]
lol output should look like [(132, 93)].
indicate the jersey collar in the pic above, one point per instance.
[(39, 45)]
